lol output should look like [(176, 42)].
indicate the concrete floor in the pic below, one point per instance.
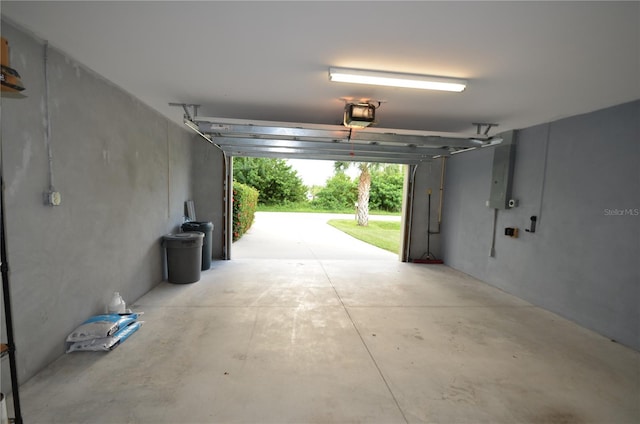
[(317, 340)]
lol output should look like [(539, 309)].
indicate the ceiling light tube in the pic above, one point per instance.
[(393, 79)]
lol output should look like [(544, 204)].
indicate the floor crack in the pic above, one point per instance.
[(373, 359)]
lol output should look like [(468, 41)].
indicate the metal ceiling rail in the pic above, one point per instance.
[(268, 131), (238, 137), (338, 147), (306, 154)]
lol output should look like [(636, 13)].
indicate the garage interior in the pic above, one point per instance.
[(543, 327)]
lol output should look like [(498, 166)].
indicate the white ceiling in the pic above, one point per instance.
[(526, 62)]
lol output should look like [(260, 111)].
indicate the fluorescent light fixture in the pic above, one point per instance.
[(393, 79)]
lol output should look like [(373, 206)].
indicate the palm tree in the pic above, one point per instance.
[(364, 186)]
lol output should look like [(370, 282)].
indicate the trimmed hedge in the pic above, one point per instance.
[(245, 202)]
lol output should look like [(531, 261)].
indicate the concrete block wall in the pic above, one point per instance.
[(124, 172), (580, 177), (428, 176), (207, 177)]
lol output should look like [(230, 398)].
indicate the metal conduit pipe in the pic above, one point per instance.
[(47, 134), (430, 257), (442, 170), (441, 195)]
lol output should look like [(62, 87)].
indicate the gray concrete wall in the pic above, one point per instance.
[(427, 176), (208, 190), (582, 262), (124, 172)]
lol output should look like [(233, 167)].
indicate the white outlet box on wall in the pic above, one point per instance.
[(53, 198)]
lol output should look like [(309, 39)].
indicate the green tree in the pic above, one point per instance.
[(314, 190), (386, 188), (339, 192), (274, 179), (364, 187)]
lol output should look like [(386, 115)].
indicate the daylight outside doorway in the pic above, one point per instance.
[(292, 235), (309, 208)]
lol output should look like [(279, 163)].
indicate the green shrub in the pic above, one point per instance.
[(277, 182), (386, 189), (245, 202), (339, 192)]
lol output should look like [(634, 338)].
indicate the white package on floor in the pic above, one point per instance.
[(105, 343), (99, 326)]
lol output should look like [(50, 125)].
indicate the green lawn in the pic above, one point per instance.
[(383, 234)]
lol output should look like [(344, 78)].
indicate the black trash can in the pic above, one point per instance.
[(207, 229), (184, 252)]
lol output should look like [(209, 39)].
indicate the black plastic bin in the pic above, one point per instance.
[(207, 229), (184, 252)]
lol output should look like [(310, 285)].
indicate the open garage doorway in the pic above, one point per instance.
[(323, 224), (419, 151)]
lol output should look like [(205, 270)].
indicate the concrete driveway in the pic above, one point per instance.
[(292, 235)]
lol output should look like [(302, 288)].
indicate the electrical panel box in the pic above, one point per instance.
[(504, 156)]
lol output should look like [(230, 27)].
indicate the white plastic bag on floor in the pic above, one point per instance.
[(106, 343), (100, 326)]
